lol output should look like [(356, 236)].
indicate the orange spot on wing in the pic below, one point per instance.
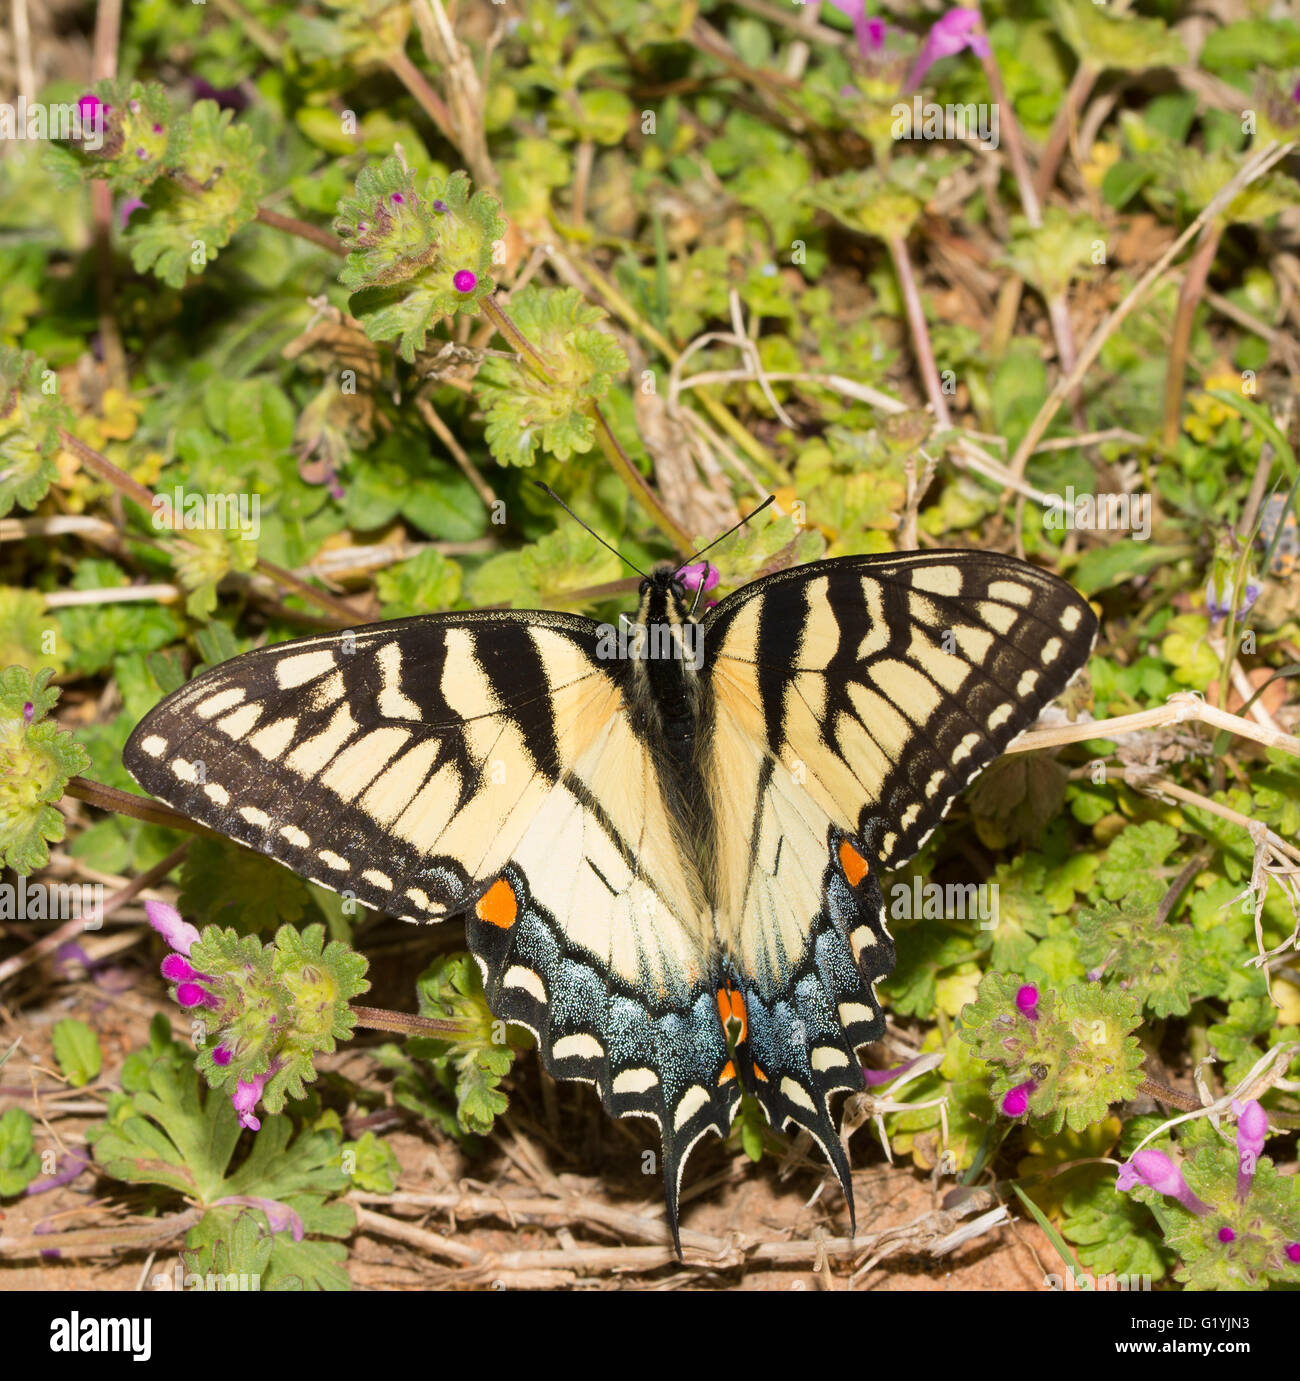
[(498, 905), (758, 1074), (731, 1007), (854, 865), (728, 1073)]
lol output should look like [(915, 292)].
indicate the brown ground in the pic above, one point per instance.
[(570, 1179)]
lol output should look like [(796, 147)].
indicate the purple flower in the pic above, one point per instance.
[(157, 129), (700, 573), (1295, 95), (1219, 605), (439, 206), (873, 1077), (195, 995), (176, 969), (1252, 1128), (1293, 1248), (280, 1216), (29, 712), (1155, 1170), (1227, 1235), (89, 105), (397, 199), (1015, 1102), (227, 97), (167, 921), (142, 152), (1027, 1002), (245, 1099), (870, 33), (465, 281), (128, 209), (221, 1056), (950, 35)]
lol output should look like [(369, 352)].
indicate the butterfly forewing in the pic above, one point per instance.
[(885, 683)]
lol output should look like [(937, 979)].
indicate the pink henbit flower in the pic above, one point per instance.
[(699, 573), (1252, 1129), (1293, 1248), (128, 209), (29, 712), (1155, 1170), (1015, 1102), (952, 34), (168, 922), (870, 33), (1027, 1002), (245, 1099), (89, 105), (465, 281)]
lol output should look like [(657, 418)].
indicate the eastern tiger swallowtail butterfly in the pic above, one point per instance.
[(667, 847)]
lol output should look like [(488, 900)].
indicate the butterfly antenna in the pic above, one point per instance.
[(546, 489), (771, 498)]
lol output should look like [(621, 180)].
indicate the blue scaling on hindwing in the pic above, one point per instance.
[(804, 1025), (649, 1054)]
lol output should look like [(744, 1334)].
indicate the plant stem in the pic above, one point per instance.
[(303, 229), (1170, 1096), (631, 476), (919, 330), (1057, 308), (1189, 296), (137, 807), (418, 85), (407, 1024), (1058, 137)]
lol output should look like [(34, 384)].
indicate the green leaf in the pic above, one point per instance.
[(224, 884), (527, 411), (36, 761), (428, 582), (30, 417), (19, 1163), (1107, 40), (406, 247), (190, 217), (1101, 568), (377, 1167), (76, 1048)]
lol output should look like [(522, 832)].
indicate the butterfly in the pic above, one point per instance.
[(667, 836)]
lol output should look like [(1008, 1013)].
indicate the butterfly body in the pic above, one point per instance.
[(667, 837)]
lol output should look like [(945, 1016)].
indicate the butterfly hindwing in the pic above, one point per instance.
[(852, 700)]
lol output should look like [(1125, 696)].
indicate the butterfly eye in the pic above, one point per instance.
[(679, 589), (645, 585)]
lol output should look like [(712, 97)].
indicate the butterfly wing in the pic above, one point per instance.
[(480, 763), (852, 701)]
